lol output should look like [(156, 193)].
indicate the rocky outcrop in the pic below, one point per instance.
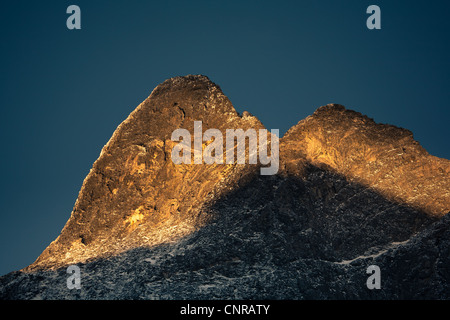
[(379, 156), (134, 194), (349, 193)]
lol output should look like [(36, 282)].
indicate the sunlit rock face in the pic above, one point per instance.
[(383, 157), (134, 194), (349, 193)]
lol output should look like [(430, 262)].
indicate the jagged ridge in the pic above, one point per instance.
[(347, 189), (380, 156)]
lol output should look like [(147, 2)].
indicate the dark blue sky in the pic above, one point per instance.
[(64, 92)]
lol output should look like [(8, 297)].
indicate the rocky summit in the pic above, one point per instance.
[(349, 194)]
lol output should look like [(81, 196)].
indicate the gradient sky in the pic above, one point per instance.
[(64, 92)]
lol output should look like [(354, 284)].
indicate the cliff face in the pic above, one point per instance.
[(383, 157), (349, 193), (134, 194)]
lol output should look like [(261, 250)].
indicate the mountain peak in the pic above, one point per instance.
[(331, 107), (134, 194), (350, 193), (188, 82), (381, 156), (335, 117)]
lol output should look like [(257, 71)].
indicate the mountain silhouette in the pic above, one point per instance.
[(349, 193)]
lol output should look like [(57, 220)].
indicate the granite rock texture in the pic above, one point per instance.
[(349, 193)]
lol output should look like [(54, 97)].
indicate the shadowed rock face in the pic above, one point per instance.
[(349, 193)]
